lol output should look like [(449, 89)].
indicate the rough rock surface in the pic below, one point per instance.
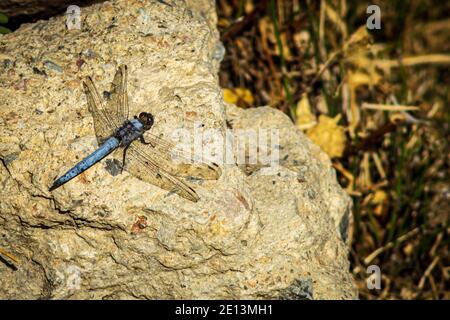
[(251, 235)]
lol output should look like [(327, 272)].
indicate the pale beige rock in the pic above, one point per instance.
[(250, 236)]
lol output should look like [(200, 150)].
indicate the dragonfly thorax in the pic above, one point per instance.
[(130, 131), (134, 128)]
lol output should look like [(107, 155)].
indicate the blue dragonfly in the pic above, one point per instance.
[(145, 155)]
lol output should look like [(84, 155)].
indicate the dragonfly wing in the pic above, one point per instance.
[(150, 169), (103, 124), (117, 104), (178, 162)]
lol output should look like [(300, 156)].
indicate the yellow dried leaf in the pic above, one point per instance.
[(305, 119), (321, 104), (356, 79), (408, 249), (239, 96), (245, 95), (379, 197), (249, 7), (223, 23), (357, 52), (360, 39), (329, 136), (229, 96)]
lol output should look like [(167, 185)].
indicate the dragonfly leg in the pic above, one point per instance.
[(142, 140), (123, 158)]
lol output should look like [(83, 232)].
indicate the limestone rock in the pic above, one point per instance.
[(252, 235)]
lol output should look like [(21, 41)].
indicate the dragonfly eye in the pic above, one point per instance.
[(146, 119)]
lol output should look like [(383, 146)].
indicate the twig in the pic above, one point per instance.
[(9, 255), (428, 272), (246, 22), (390, 245)]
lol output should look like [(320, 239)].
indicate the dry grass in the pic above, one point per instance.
[(383, 95)]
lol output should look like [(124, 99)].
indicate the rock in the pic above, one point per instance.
[(253, 234)]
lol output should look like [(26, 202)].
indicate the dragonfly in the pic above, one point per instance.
[(145, 155)]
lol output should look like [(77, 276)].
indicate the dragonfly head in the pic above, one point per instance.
[(146, 119)]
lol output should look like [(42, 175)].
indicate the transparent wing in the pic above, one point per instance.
[(117, 104), (177, 161), (150, 169), (103, 124)]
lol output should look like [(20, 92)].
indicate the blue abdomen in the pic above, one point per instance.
[(106, 148)]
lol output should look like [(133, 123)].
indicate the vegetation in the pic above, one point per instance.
[(3, 21), (377, 102)]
